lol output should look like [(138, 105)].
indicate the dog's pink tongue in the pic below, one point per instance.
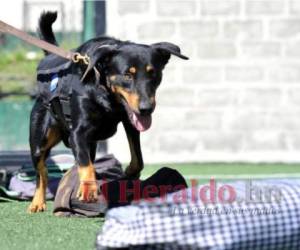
[(142, 123)]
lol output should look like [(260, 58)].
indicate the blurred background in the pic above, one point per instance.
[(236, 99)]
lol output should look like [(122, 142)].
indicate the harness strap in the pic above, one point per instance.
[(60, 110)]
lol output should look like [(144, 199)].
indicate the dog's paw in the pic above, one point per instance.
[(132, 173), (36, 206), (88, 188), (88, 191)]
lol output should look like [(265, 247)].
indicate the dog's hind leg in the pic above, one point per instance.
[(42, 139)]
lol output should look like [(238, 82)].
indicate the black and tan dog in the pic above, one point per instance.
[(118, 86)]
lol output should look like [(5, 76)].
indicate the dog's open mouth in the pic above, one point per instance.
[(141, 123)]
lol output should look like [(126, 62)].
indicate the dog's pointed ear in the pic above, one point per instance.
[(97, 54), (168, 49)]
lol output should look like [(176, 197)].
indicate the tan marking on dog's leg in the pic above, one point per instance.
[(88, 189), (38, 203), (53, 137)]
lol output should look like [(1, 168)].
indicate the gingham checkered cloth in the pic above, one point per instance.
[(274, 224)]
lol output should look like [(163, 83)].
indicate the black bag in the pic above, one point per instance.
[(18, 176), (10, 162)]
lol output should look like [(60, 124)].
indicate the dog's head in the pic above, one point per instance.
[(133, 72)]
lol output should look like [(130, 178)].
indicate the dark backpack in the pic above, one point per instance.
[(18, 176)]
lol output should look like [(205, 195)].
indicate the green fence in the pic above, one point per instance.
[(68, 40), (14, 124)]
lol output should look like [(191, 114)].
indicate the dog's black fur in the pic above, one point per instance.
[(119, 86)]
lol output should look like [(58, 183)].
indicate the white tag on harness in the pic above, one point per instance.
[(54, 82)]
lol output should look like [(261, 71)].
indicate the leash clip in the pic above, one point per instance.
[(77, 57)]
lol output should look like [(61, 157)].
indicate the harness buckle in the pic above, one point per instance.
[(77, 57)]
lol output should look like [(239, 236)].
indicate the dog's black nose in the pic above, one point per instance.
[(145, 108)]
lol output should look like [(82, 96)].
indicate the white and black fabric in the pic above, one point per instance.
[(195, 225)]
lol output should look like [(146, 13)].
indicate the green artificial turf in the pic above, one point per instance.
[(19, 230), (203, 172), (227, 168)]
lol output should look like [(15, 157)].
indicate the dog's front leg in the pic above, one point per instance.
[(136, 164), (88, 189)]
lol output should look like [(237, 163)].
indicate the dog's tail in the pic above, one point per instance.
[(45, 27)]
